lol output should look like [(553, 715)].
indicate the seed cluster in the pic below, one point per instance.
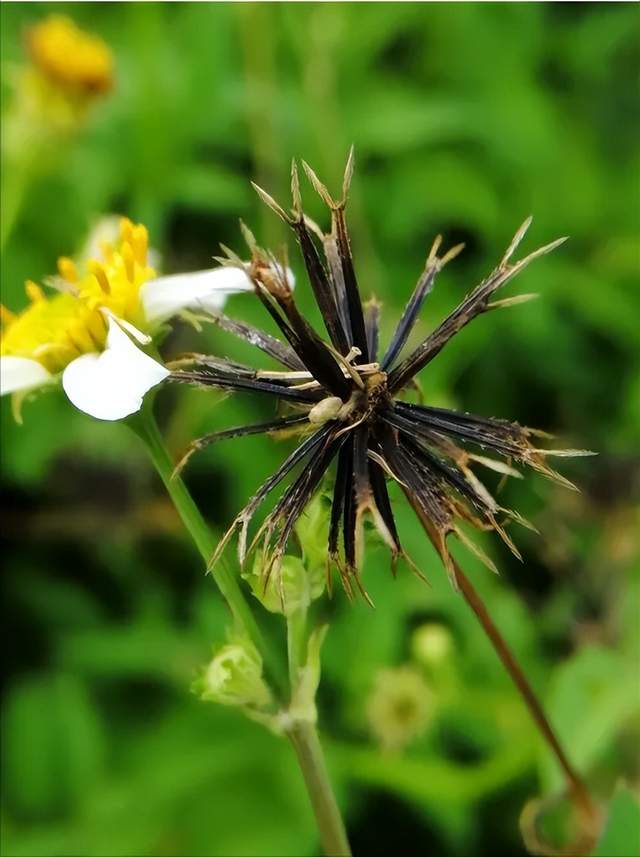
[(346, 398)]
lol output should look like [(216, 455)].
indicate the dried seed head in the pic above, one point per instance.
[(353, 406)]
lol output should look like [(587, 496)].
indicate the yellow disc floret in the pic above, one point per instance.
[(114, 280), (70, 57), (56, 329)]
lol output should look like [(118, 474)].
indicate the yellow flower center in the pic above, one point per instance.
[(56, 329), (69, 57)]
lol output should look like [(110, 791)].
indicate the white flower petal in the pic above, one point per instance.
[(138, 335), (204, 290), (208, 290), (21, 374), (111, 385)]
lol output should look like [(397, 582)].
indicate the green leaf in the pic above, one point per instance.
[(53, 745), (589, 702), (621, 835)]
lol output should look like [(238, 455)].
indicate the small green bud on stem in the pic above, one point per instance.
[(234, 677)]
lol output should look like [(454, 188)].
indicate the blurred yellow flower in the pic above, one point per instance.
[(67, 71), (69, 57)]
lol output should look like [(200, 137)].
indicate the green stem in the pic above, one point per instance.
[(147, 430), (306, 743), (303, 735), (296, 644)]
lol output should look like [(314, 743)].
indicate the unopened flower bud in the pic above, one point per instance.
[(311, 532), (234, 677), (431, 644), (291, 587), (399, 707)]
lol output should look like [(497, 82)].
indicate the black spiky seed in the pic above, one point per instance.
[(349, 407)]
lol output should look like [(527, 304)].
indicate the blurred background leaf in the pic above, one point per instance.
[(465, 118), (622, 830)]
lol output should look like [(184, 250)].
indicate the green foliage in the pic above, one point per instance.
[(54, 745), (465, 119), (621, 834)]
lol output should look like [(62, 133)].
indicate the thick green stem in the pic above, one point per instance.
[(306, 743), (146, 428)]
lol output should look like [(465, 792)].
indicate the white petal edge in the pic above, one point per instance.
[(138, 335), (111, 385), (19, 374), (165, 296), (205, 290)]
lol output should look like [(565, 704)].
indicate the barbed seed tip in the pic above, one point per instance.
[(437, 241), (295, 188), (270, 201), (451, 254), (231, 255), (348, 173), (517, 238), (318, 186), (248, 236)]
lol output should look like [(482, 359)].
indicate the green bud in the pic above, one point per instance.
[(311, 530), (234, 677), (431, 644), (292, 587), (303, 703), (399, 708), (297, 581)]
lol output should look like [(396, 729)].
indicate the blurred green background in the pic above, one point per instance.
[(465, 118)]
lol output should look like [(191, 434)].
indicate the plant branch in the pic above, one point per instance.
[(305, 741), (303, 734), (296, 644), (581, 794), (145, 426), (583, 800)]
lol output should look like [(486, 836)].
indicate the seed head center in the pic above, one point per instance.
[(369, 393)]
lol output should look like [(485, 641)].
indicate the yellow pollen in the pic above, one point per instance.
[(6, 316), (126, 230), (129, 261), (34, 292), (67, 269), (56, 328), (106, 248), (140, 242), (99, 273), (69, 57)]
